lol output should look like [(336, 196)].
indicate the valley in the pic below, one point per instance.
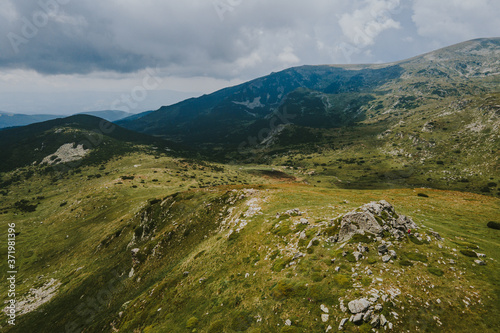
[(318, 199)]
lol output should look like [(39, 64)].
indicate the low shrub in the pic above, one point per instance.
[(406, 263), (468, 253), (493, 225), (416, 256), (435, 271), (192, 322), (216, 326)]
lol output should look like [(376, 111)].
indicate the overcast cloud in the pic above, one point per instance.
[(199, 46)]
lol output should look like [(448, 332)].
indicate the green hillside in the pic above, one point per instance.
[(362, 198)]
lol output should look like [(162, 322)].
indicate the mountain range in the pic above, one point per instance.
[(16, 119), (356, 198)]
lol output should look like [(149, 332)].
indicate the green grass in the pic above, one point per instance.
[(178, 230)]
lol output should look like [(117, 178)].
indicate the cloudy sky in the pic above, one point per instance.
[(67, 56)]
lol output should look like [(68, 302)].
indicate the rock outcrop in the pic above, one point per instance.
[(374, 218)]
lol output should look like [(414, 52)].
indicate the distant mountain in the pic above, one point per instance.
[(34, 143), (133, 116), (109, 115), (14, 119), (8, 119), (326, 96)]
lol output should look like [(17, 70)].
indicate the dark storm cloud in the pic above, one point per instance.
[(226, 38)]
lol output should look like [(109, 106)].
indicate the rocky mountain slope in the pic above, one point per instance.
[(136, 251), (329, 96)]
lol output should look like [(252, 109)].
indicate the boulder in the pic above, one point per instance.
[(358, 305), (375, 321), (324, 317), (342, 323), (382, 249), (383, 321), (367, 316), (358, 223), (358, 318), (480, 262), (386, 258), (392, 253), (357, 255)]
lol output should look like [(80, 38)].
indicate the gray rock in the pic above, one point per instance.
[(358, 305), (298, 255), (375, 321), (393, 254), (382, 249), (383, 321), (386, 258), (185, 273), (362, 248), (357, 255), (479, 262), (342, 323), (358, 318), (436, 235), (358, 223), (369, 272), (367, 316), (378, 307), (303, 221), (481, 255)]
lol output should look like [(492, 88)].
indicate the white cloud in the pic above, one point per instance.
[(456, 20), (362, 26), (288, 57)]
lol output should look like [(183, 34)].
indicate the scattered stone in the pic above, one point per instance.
[(357, 318), (479, 262), (357, 255), (342, 323), (386, 258), (367, 316), (378, 307), (303, 221), (324, 308), (382, 249), (383, 321), (393, 254), (369, 272), (201, 280), (288, 322), (185, 273), (298, 255), (337, 269), (328, 329), (325, 317), (362, 248), (375, 321), (451, 261), (481, 255), (438, 301), (359, 305)]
